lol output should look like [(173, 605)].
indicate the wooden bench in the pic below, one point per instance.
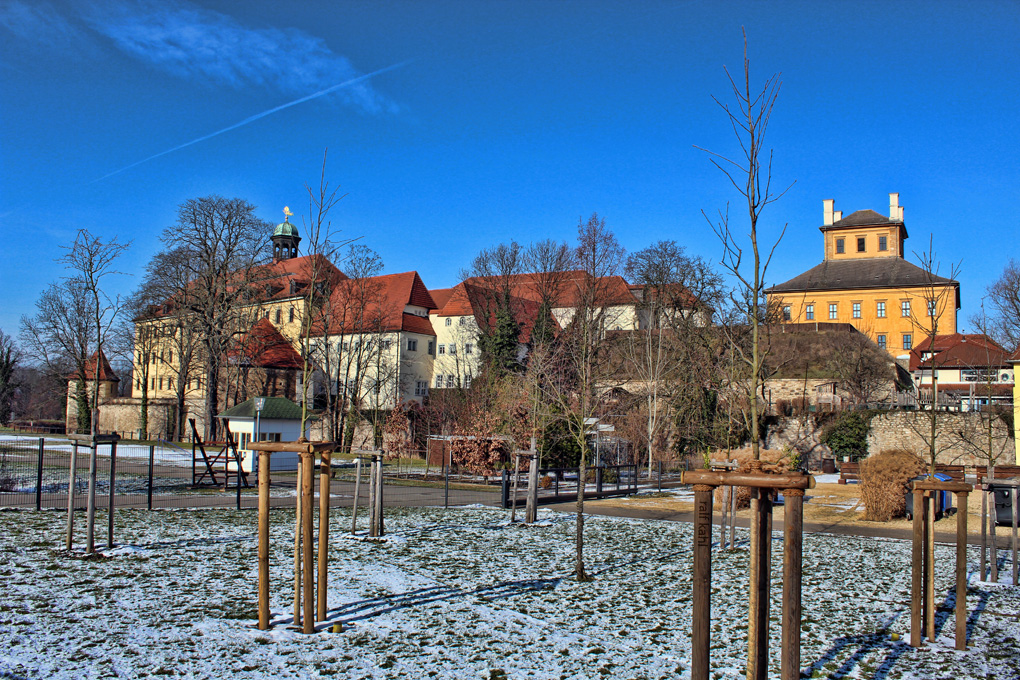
[(1000, 472), (849, 472), (956, 473)]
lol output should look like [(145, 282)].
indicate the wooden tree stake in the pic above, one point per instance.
[(702, 615), (72, 482), (325, 469), (793, 552), (961, 570), (307, 490), (263, 540)]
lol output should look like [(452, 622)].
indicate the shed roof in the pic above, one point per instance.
[(275, 408)]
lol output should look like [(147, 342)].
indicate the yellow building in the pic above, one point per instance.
[(865, 281)]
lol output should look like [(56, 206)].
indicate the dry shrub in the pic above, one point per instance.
[(885, 479), (772, 461)]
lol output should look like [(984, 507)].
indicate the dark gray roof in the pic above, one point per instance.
[(276, 408), (863, 217), (875, 272)]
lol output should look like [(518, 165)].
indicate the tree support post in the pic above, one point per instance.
[(961, 570), (70, 494), (531, 511), (307, 492), (90, 519), (113, 493), (380, 522), (760, 574), (39, 475), (702, 602), (357, 496), (916, 575), (372, 526), (263, 481), (325, 471), (793, 544), (929, 565)]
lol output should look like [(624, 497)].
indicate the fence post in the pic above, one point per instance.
[(505, 491), (193, 471), (152, 457), (38, 476), (238, 460), (660, 477), (113, 491)]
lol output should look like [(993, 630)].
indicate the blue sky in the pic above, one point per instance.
[(463, 124)]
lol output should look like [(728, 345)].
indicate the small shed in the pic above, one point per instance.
[(279, 421)]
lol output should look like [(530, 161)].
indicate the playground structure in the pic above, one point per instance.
[(216, 461), (92, 442), (762, 486)]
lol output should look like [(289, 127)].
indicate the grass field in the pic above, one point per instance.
[(458, 594)]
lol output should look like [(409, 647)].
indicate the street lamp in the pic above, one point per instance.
[(260, 403)]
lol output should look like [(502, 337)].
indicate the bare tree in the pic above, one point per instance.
[(91, 260), (939, 296), (667, 354), (587, 370), (863, 369), (1004, 296), (750, 122), (213, 248), (494, 273), (10, 357)]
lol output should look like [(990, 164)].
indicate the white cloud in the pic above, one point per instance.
[(193, 42), (37, 22)]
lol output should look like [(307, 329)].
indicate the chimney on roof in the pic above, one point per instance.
[(895, 209), (827, 206), (837, 215)]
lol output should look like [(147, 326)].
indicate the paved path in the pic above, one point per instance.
[(945, 530)]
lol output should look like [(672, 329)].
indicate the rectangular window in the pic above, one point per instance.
[(786, 312), (153, 384), (840, 248), (442, 349), (449, 380), (169, 383), (421, 388), (833, 310), (170, 356), (290, 315), (432, 347), (907, 341), (883, 243), (860, 244), (449, 321), (857, 310), (880, 310), (412, 345), (469, 348), (809, 312), (439, 381), (460, 321), (467, 381), (905, 308), (279, 315), (453, 348), (931, 307), (881, 341), (160, 383)]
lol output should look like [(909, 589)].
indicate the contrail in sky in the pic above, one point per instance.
[(257, 116)]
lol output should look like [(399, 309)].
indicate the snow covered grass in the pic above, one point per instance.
[(457, 594)]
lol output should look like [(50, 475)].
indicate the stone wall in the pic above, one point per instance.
[(123, 416), (960, 440)]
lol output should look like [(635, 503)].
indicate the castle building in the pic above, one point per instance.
[(864, 280)]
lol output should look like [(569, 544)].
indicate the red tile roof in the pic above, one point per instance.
[(387, 297), (105, 371), (959, 350), (564, 287), (265, 347)]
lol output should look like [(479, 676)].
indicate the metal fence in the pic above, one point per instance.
[(36, 472)]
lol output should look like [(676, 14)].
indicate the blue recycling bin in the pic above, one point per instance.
[(943, 501)]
